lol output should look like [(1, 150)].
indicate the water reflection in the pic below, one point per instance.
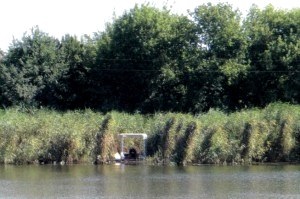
[(139, 181)]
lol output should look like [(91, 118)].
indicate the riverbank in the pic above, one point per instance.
[(45, 136)]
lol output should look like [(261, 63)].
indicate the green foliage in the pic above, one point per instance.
[(149, 60), (274, 55), (78, 58), (131, 54), (219, 30), (30, 69), (220, 62), (46, 136)]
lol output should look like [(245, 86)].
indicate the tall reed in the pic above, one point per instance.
[(271, 134), (186, 145), (105, 141)]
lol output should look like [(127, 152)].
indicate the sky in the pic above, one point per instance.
[(79, 17)]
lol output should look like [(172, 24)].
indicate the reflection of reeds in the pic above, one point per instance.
[(46, 136)]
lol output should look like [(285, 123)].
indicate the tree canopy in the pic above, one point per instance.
[(149, 59)]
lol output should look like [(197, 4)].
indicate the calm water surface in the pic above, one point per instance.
[(139, 181)]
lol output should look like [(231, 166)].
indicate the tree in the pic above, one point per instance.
[(274, 54), (221, 62), (1, 79), (151, 60), (131, 54), (169, 91), (78, 57), (1, 55), (30, 69)]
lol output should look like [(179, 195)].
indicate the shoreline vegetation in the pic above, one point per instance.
[(205, 87), (44, 136), (190, 82)]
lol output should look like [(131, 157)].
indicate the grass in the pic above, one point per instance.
[(271, 134)]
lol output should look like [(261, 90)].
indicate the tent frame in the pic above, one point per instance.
[(133, 135)]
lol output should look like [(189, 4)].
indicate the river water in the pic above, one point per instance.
[(140, 181)]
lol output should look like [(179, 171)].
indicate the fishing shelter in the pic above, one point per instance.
[(142, 136)]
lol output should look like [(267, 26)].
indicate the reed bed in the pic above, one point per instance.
[(46, 136)]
